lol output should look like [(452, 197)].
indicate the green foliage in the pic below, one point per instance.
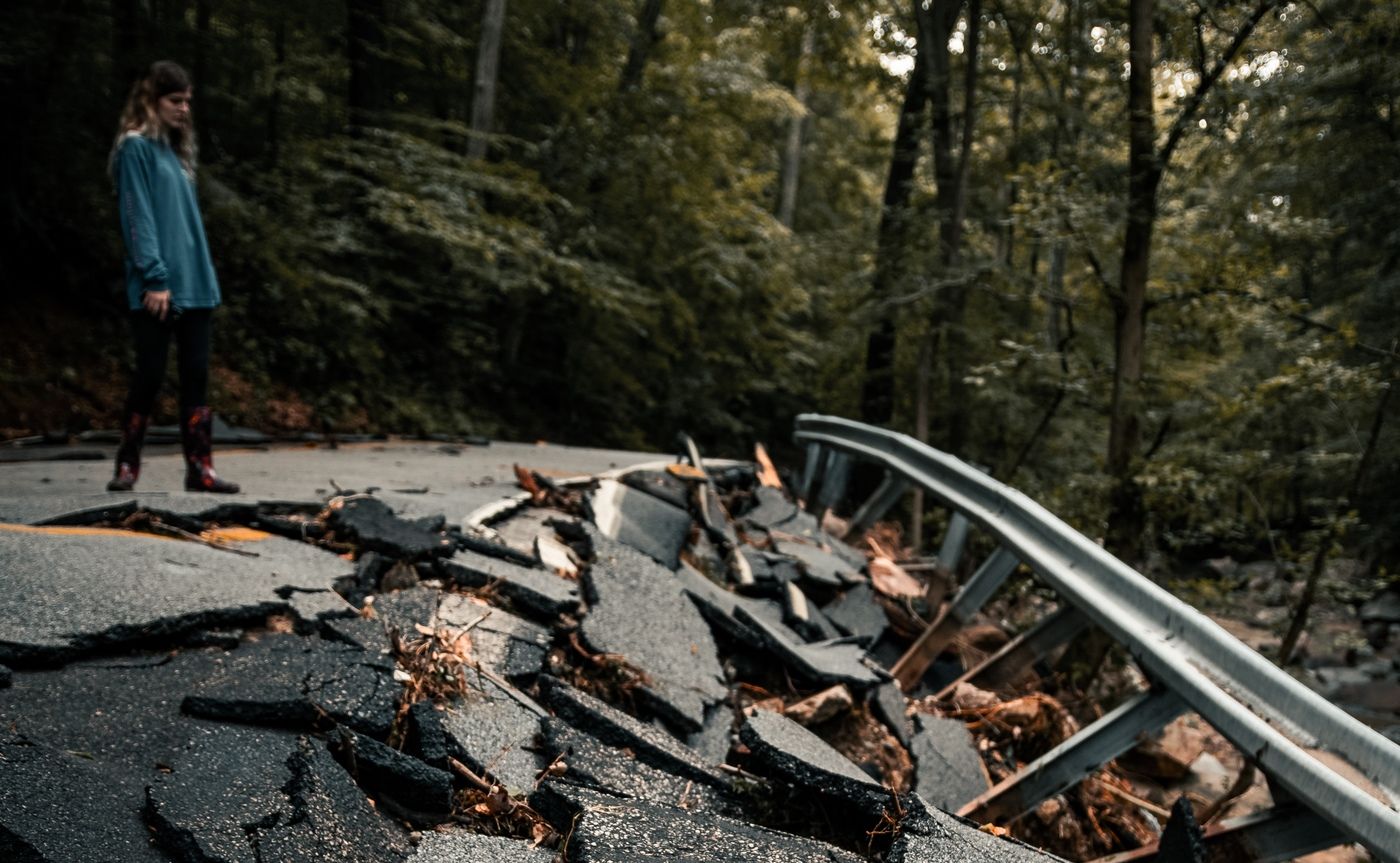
[(612, 273)]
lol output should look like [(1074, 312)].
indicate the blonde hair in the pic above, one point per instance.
[(139, 116)]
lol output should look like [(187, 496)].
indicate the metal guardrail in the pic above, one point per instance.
[(1193, 663)]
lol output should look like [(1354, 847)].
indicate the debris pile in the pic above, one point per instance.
[(668, 662)]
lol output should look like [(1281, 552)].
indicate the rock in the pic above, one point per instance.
[(1169, 756), (818, 708), (56, 807), (252, 794), (1384, 607), (929, 835), (1208, 778), (532, 590), (825, 663), (492, 730), (948, 772), (6, 676), (456, 845), (615, 728), (153, 590), (369, 523), (401, 783), (641, 521), (1183, 840), (616, 770), (786, 750), (298, 683), (613, 830), (639, 610), (509, 646), (857, 612)]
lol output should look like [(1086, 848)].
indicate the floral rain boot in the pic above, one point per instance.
[(196, 433), (129, 452)]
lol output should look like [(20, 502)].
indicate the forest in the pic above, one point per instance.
[(1134, 258)]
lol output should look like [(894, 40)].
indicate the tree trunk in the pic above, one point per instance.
[(877, 389), (364, 45), (1300, 614), (644, 38), (1127, 515), (928, 347), (488, 56), (958, 345), (792, 151)]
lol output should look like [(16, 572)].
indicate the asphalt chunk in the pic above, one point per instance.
[(858, 612), (493, 731), (507, 645), (119, 590), (616, 770), (948, 771), (400, 783), (300, 683), (532, 590), (613, 830), (651, 745), (639, 610), (372, 525), (824, 663), (642, 521), (929, 835), (252, 795), (787, 751), (458, 845), (819, 567), (57, 807)]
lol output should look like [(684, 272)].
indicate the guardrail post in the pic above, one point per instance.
[(810, 469), (984, 582), (1021, 652), (838, 472), (892, 487), (1060, 768), (954, 539)]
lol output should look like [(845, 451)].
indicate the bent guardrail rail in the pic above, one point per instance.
[(1193, 663)]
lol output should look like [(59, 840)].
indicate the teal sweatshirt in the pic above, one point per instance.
[(161, 227)]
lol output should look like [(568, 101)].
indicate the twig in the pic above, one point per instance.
[(510, 690), (171, 530), (466, 772), (1217, 806), (1137, 801)]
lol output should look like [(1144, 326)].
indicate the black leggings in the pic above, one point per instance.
[(191, 332)]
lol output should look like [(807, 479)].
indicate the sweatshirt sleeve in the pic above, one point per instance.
[(134, 183)]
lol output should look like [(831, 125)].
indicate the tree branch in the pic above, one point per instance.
[(1198, 96)]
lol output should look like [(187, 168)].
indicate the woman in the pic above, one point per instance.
[(170, 283)]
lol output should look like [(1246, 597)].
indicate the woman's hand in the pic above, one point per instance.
[(156, 302)]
